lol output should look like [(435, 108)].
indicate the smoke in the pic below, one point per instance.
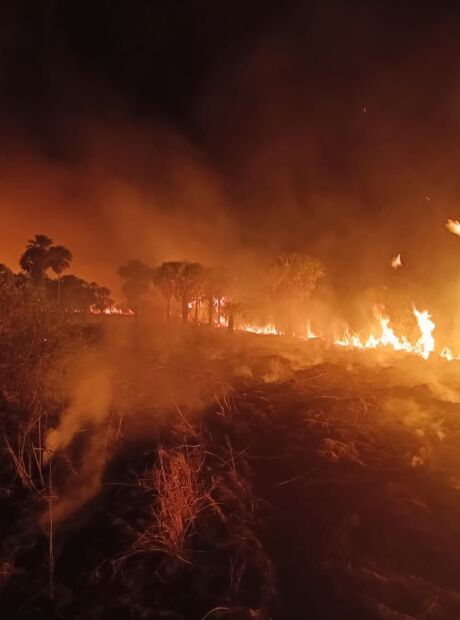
[(322, 135), (90, 402), (127, 190), (330, 133)]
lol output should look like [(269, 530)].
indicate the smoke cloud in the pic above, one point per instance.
[(330, 132)]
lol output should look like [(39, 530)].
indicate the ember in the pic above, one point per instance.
[(396, 262)]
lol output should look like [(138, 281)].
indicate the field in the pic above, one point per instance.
[(194, 473)]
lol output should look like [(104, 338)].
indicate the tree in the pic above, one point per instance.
[(41, 255), (137, 278), (291, 280), (182, 280), (34, 260), (75, 296), (233, 309), (165, 278), (189, 286), (6, 275), (214, 283), (59, 259), (101, 297)]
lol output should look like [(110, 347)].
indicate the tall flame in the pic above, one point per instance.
[(396, 261), (425, 344)]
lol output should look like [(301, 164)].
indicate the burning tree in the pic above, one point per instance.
[(291, 280)]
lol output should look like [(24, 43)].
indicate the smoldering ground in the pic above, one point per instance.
[(257, 417), (146, 377)]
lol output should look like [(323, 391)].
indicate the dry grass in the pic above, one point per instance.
[(181, 495), (26, 456)]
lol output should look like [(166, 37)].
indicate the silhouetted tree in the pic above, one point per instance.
[(75, 295), (41, 255), (35, 259), (189, 285), (59, 259), (165, 278), (232, 310)]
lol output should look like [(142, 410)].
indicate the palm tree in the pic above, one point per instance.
[(182, 280), (59, 259), (165, 279), (189, 286), (34, 260)]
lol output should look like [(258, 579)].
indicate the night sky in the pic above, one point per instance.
[(227, 131)]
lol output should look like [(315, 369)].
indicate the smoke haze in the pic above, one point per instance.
[(328, 129)]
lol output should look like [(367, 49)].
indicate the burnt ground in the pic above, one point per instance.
[(360, 482), (336, 479)]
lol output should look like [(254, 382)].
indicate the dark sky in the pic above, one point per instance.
[(156, 57), (206, 128)]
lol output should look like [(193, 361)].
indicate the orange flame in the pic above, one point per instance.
[(424, 346), (453, 226)]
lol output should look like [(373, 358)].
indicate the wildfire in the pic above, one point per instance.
[(111, 310), (424, 346), (309, 332), (257, 329), (453, 226), (396, 261), (385, 338), (271, 329), (447, 354)]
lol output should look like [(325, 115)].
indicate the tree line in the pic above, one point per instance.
[(287, 282), (190, 291), (73, 294), (190, 284)]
